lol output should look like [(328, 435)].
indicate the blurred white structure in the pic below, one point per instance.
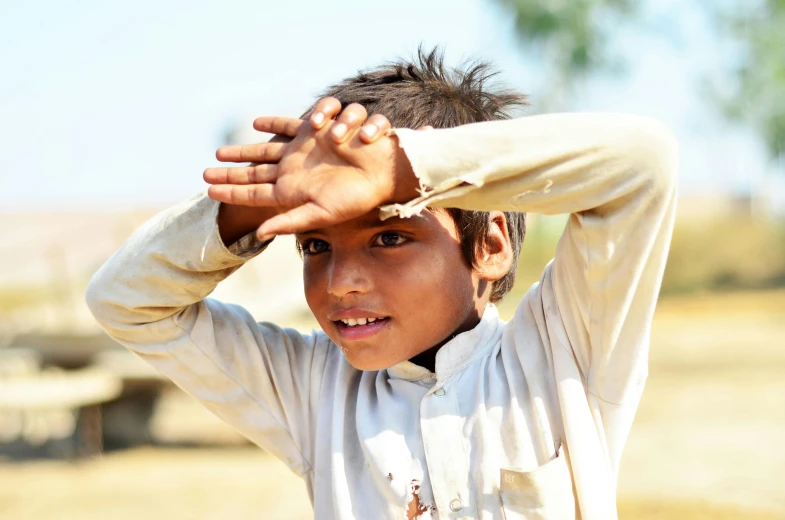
[(46, 261)]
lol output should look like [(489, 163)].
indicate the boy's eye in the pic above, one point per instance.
[(315, 246), (389, 239)]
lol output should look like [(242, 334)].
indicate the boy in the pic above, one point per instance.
[(417, 401)]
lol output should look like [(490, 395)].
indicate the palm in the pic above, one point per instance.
[(325, 195), (315, 183), (311, 179)]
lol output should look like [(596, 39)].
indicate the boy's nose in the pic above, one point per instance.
[(346, 276)]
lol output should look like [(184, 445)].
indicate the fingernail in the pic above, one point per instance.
[(317, 118), (370, 130), (265, 238), (339, 130)]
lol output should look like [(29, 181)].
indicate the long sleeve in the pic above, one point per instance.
[(151, 297), (616, 177)]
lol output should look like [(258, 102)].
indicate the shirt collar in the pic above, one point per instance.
[(458, 353)]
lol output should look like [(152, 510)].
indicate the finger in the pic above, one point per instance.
[(376, 127), (259, 195), (350, 119), (254, 153), (426, 127), (254, 174), (278, 125), (296, 220), (326, 109)]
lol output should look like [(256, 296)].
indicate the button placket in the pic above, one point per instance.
[(445, 452)]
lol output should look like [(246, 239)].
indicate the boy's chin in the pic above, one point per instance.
[(364, 356), (366, 363)]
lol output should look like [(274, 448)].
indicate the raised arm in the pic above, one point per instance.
[(616, 177), (150, 296)]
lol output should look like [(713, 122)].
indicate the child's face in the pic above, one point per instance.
[(407, 275)]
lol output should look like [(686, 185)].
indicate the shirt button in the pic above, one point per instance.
[(439, 392), (456, 504)]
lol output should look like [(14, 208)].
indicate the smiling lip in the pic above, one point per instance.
[(359, 332), (354, 313)]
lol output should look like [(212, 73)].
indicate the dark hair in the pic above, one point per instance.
[(423, 91)]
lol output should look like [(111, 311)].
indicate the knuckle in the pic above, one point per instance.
[(379, 120), (262, 174), (355, 112), (358, 108), (327, 103)]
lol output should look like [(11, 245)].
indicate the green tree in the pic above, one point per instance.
[(569, 38), (757, 96)]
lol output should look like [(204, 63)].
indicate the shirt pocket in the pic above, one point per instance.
[(545, 493)]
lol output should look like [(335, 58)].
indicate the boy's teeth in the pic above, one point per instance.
[(351, 322)]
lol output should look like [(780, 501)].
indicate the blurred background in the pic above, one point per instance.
[(111, 111)]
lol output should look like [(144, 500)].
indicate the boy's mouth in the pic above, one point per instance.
[(351, 322), (360, 328)]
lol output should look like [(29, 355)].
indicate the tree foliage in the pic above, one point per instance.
[(569, 37), (757, 96)]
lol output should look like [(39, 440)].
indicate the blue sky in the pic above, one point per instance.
[(121, 105)]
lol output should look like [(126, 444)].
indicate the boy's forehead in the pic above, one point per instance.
[(371, 220)]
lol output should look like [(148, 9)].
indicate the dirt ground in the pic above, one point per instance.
[(707, 441)]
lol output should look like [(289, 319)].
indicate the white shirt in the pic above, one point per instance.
[(525, 419)]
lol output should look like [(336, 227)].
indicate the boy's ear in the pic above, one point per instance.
[(495, 259)]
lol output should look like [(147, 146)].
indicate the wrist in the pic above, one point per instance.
[(234, 222), (405, 183)]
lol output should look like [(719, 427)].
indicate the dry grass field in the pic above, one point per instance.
[(707, 442), (708, 436)]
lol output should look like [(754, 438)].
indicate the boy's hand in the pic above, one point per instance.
[(331, 172)]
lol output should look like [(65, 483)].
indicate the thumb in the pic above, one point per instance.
[(296, 220)]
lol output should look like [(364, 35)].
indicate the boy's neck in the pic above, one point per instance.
[(427, 358)]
